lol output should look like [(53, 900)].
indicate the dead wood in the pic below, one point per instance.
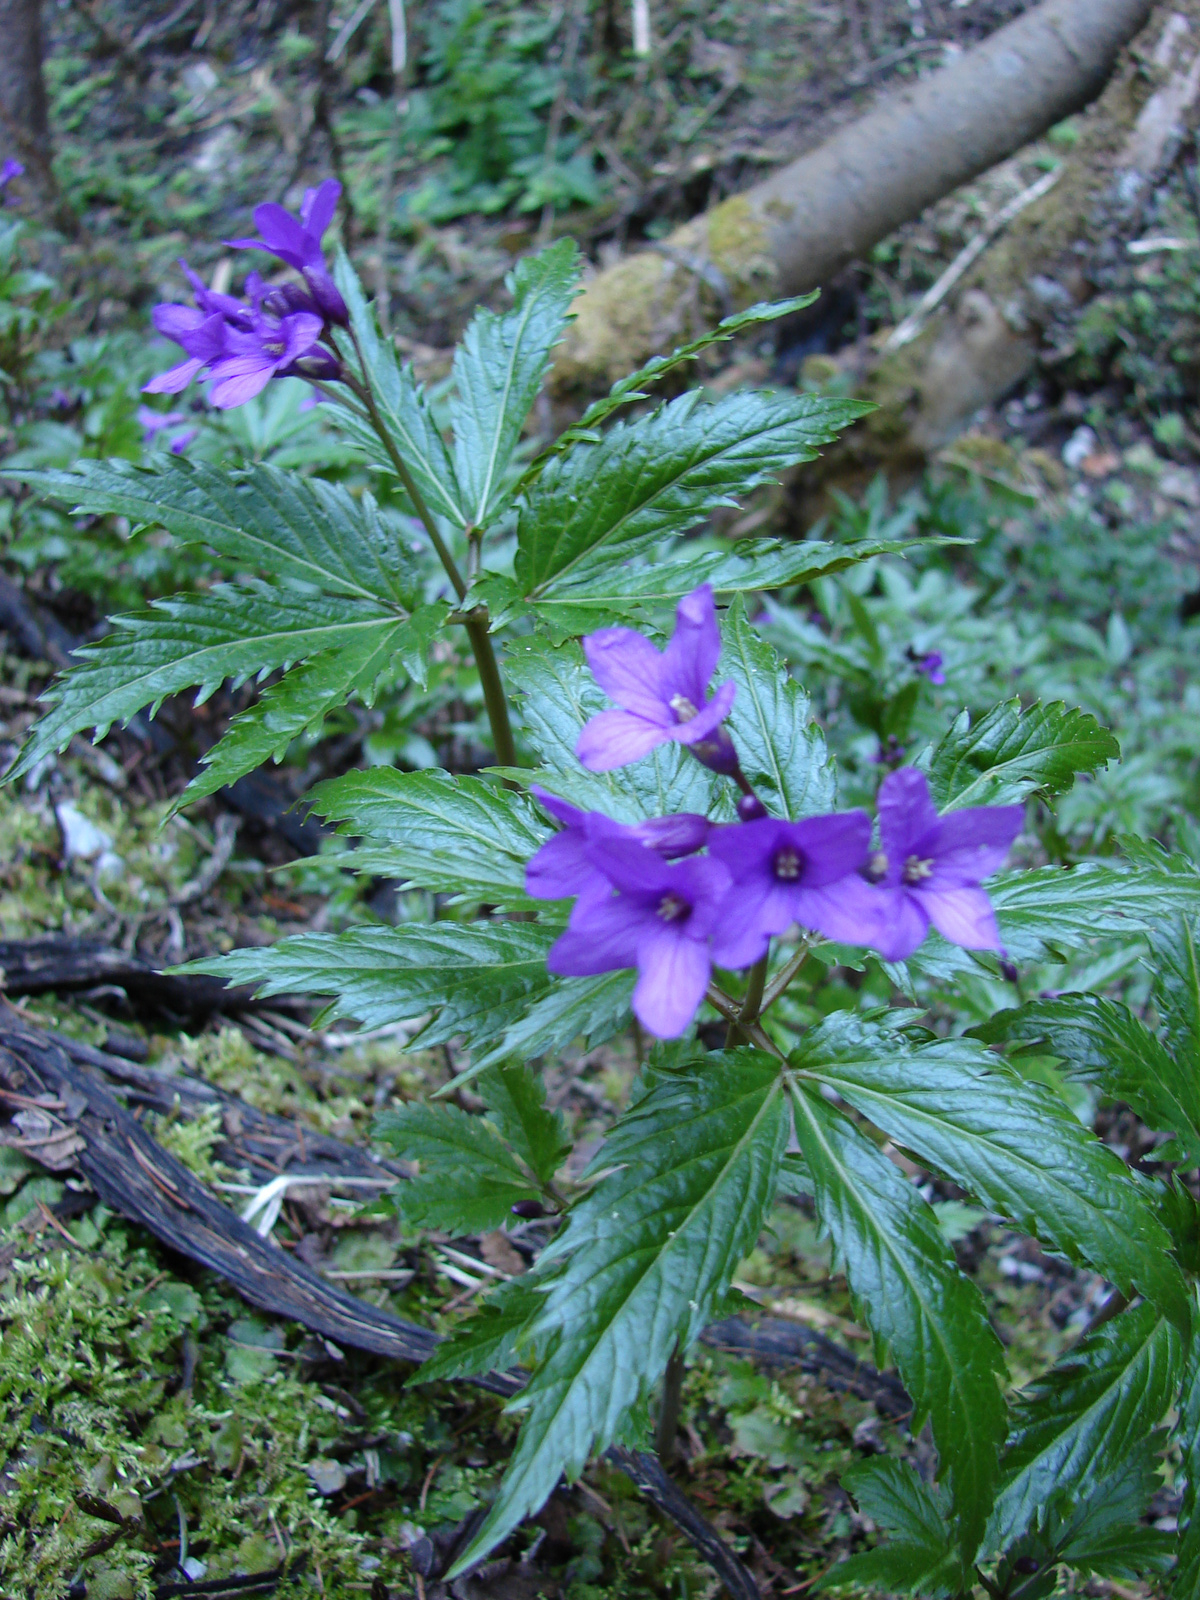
[(61, 965), (796, 230)]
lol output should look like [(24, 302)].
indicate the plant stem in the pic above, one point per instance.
[(731, 1011), (784, 976), (751, 1005), (475, 622), (672, 1404)]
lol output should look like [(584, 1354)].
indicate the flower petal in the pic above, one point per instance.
[(852, 911), (974, 843), (963, 916), (833, 846), (562, 810), (711, 716), (283, 236), (906, 814), (750, 913), (690, 659), (561, 867), (602, 936), (174, 379), (674, 836), (300, 332), (628, 667), (318, 207), (615, 738), (673, 973), (903, 923), (238, 379)]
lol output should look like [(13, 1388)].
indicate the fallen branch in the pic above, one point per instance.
[(60, 965)]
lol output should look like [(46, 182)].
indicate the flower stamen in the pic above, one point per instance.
[(917, 870), (672, 908), (789, 864), (682, 707)]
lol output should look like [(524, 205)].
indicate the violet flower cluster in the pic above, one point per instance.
[(676, 896), (279, 331)]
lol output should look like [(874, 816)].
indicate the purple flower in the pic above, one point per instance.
[(785, 872), (930, 664), (202, 338), (299, 244), (181, 440), (929, 868), (663, 918), (252, 357), (661, 697), (153, 422), (562, 867), (10, 170)]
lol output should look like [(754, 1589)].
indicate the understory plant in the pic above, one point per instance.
[(655, 847)]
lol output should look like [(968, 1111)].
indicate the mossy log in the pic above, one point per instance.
[(796, 230)]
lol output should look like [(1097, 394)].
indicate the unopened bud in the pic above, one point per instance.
[(1008, 971), (318, 364), (716, 752), (528, 1208), (750, 808)]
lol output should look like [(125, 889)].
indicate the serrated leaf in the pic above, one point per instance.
[(516, 1103), (611, 586), (1012, 1144), (664, 473), (1052, 910), (556, 696), (489, 1340), (1077, 1423), (233, 631), (640, 1263), (919, 1554), (402, 406), (479, 977), (1104, 1536), (498, 370), (449, 834), (303, 698), (469, 1179), (1011, 752), (1101, 1041), (1185, 1580), (293, 529), (913, 1297), (573, 1008), (781, 748), (1176, 966)]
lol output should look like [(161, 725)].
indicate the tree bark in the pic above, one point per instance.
[(807, 221), (22, 89)]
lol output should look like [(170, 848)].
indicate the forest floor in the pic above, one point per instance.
[(160, 1436)]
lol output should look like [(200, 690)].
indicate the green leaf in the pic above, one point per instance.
[(489, 1340), (479, 977), (1009, 753), (1101, 1041), (469, 1178), (1013, 1144), (556, 696), (309, 693), (573, 1008), (1176, 967), (289, 528), (499, 368), (1081, 1419), (1104, 1536), (451, 835), (402, 406), (781, 748), (919, 1554), (664, 473), (610, 586), (645, 1256), (913, 1297), (233, 631), (1185, 1581), (516, 1103), (1052, 910)]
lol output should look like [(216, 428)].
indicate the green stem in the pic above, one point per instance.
[(731, 1011), (784, 976), (751, 1005), (476, 622), (669, 1411)]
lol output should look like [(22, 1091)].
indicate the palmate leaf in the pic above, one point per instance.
[(499, 368), (916, 1302), (479, 977), (573, 1008), (450, 835), (556, 696), (1077, 1424), (1009, 753), (516, 1103), (782, 750), (232, 631), (1176, 965), (611, 586), (1049, 911), (919, 1554), (640, 1264), (1105, 1536), (309, 693), (1015, 1145), (1101, 1041), (1185, 1580), (469, 1178), (402, 406), (664, 473), (292, 529)]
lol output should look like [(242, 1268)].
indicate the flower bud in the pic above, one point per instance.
[(716, 752), (528, 1208), (750, 808)]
